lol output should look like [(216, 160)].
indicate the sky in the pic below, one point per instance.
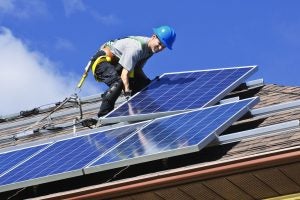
[(45, 45)]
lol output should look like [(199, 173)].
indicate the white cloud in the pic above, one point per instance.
[(6, 5), (29, 79), (73, 6), (23, 9), (64, 44), (106, 19)]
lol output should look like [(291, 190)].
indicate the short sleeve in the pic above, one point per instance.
[(129, 59)]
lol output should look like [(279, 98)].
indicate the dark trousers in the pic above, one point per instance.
[(110, 74)]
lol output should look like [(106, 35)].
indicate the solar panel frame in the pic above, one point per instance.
[(180, 151), (114, 119), (57, 176), (86, 169)]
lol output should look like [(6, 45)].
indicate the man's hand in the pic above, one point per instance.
[(127, 95)]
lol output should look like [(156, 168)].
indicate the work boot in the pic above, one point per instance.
[(89, 122)]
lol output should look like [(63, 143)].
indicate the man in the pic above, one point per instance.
[(119, 64)]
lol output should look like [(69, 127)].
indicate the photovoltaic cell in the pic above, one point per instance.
[(67, 156), (182, 133), (13, 158), (186, 90), (169, 136)]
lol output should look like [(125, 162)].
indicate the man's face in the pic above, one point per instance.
[(155, 45)]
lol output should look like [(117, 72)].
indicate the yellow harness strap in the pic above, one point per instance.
[(131, 74), (88, 67), (99, 60), (84, 75), (106, 59)]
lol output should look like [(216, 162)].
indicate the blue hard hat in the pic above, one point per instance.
[(166, 35)]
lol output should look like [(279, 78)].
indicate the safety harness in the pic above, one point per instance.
[(98, 61), (104, 58), (92, 66)]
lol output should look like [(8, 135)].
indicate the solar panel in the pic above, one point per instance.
[(173, 135), (164, 137), (65, 158), (185, 90), (169, 136), (11, 159)]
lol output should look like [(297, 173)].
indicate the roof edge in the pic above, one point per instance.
[(182, 176)]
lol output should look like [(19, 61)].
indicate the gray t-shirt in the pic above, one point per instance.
[(132, 51)]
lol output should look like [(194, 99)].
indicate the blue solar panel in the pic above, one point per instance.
[(164, 137), (169, 136), (181, 91), (66, 157), (13, 158)]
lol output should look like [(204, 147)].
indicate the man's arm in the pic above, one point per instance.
[(125, 79)]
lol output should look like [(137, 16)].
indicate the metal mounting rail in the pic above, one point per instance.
[(272, 129)]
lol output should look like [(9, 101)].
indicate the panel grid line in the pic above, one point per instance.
[(196, 90), (181, 132), (43, 147), (183, 91)]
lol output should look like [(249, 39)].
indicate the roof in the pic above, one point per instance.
[(257, 157)]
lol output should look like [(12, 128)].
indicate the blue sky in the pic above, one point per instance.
[(45, 45)]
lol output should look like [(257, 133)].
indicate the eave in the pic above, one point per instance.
[(186, 175)]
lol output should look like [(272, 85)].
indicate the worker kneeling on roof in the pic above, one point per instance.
[(119, 64)]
